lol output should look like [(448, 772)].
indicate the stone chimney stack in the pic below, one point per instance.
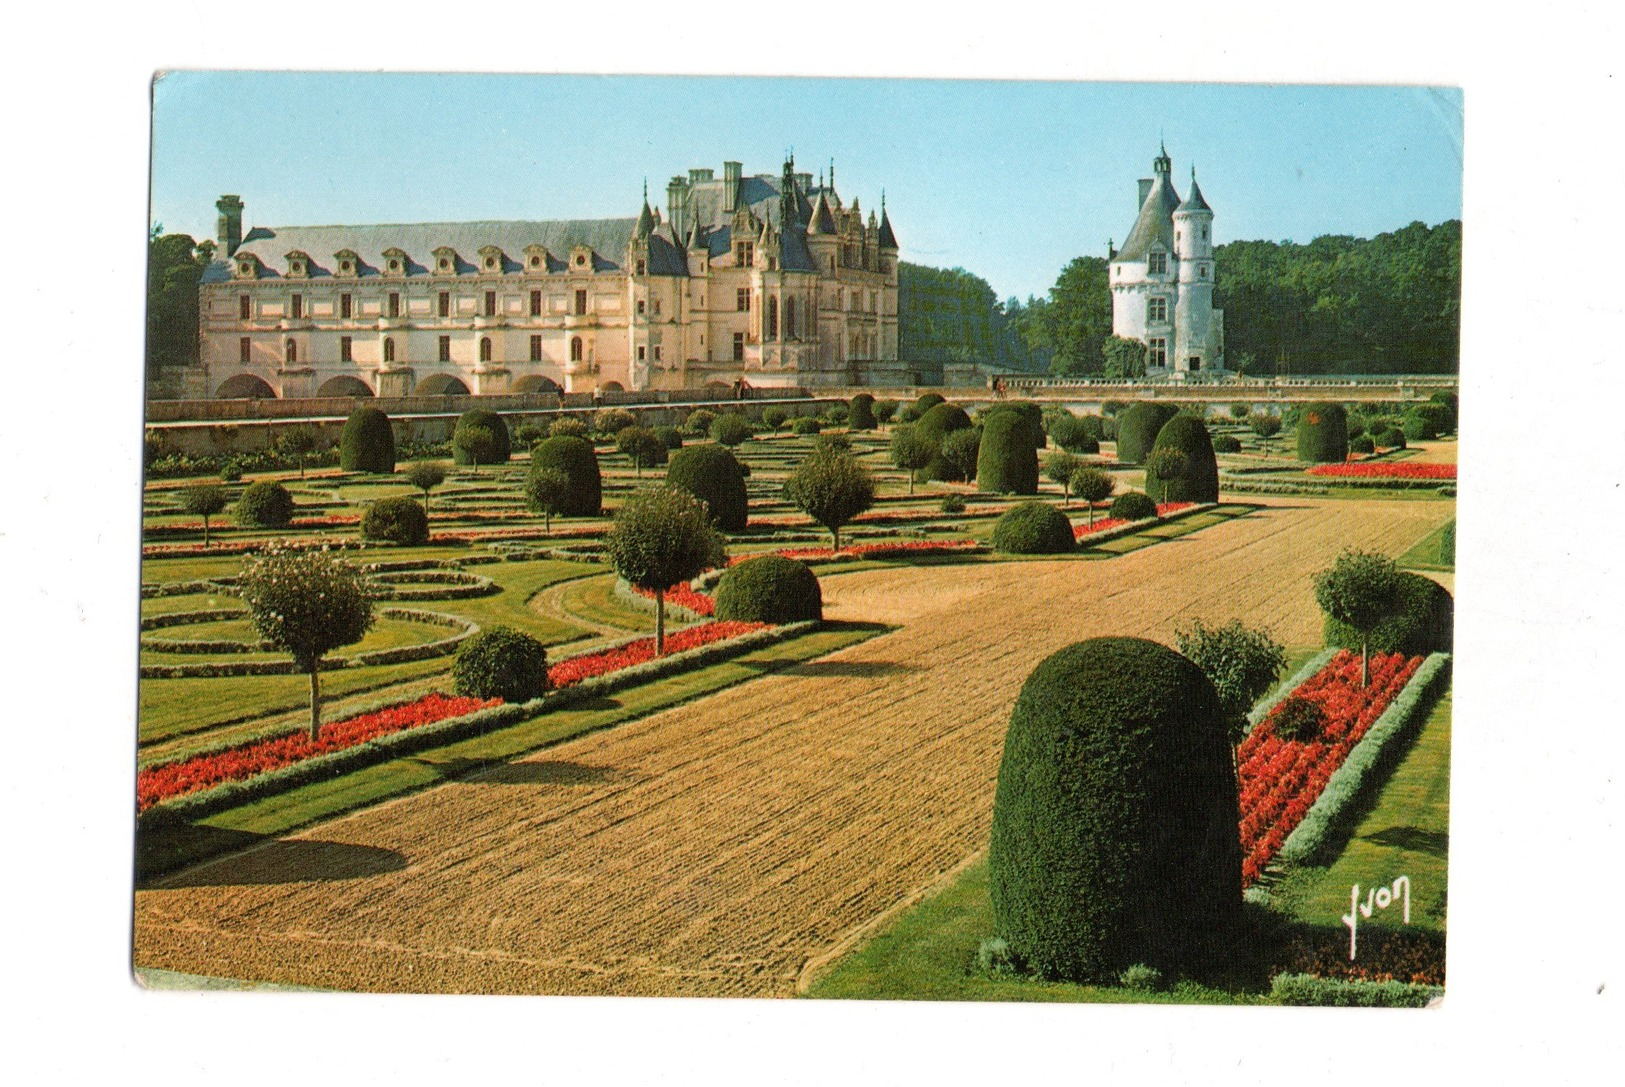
[(730, 185), (229, 227), (1145, 191), (676, 194)]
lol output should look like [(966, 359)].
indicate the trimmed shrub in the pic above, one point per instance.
[(576, 459), (1108, 429), (934, 426), (231, 472), (773, 418), (1008, 461), (1138, 427), (699, 421), (829, 443), (952, 503), (670, 435), (265, 505), (712, 474), (1307, 990), (1027, 410), (860, 412), (769, 589), (885, 410), (925, 403), (834, 415), (1067, 431), (568, 427), (1132, 506), (398, 520), (1033, 528), (1114, 840), (611, 421), (731, 429), (527, 434), (642, 446), (1423, 422), (959, 453), (1362, 444), (1264, 424), (1452, 405), (1390, 439), (367, 443), (1200, 481), (500, 662), (1423, 623), (1226, 443), (805, 426), (1323, 434), (501, 446)]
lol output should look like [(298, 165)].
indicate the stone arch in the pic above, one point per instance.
[(536, 383), (344, 385), (245, 387), (612, 387), (441, 385)]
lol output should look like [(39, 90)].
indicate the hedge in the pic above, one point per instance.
[(1308, 990), (1423, 624), (1033, 528), (1008, 461), (712, 474), (1323, 434), (1138, 427), (770, 589), (490, 420), (578, 461), (1200, 483), (367, 443)]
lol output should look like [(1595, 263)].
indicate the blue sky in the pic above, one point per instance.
[(1007, 179)]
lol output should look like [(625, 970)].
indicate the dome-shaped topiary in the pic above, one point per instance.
[(925, 403), (935, 425), (1426, 421), (367, 443), (1133, 506), (805, 426), (860, 412), (1200, 479), (500, 662), (1033, 528), (712, 474), (265, 505), (1008, 461), (731, 429), (1138, 427), (397, 520), (1226, 443), (575, 458), (1362, 444), (670, 435), (770, 589), (1423, 623), (1391, 438), (501, 448), (1323, 436), (1114, 820)]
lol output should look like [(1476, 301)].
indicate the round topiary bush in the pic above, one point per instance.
[(1226, 443), (1323, 434), (1114, 821), (1138, 427), (1132, 506), (770, 589), (1423, 623), (367, 443), (1200, 481), (1028, 411), (860, 412), (670, 435), (501, 449), (935, 425), (952, 503), (1033, 528), (805, 426), (397, 520), (731, 429), (1391, 439), (1362, 444), (699, 422), (265, 505), (1008, 461), (500, 662), (925, 403), (714, 475), (1424, 422), (575, 458)]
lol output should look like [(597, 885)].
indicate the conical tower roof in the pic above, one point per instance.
[(646, 218), (1193, 200), (820, 221), (1155, 221), (888, 240)]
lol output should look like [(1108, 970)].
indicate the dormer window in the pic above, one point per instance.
[(395, 261), (1156, 263), (347, 260), (491, 259), (298, 265), (247, 268), (580, 258), (445, 261), (536, 258)]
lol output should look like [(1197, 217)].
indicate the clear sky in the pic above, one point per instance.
[(1007, 179)]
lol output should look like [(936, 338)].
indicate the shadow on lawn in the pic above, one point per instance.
[(552, 772), (286, 861), (1414, 839), (841, 669)]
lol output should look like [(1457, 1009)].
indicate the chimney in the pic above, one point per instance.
[(676, 188), (229, 227), (697, 174), (730, 186), (1145, 191)]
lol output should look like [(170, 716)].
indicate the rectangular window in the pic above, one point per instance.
[(643, 267), (739, 347), (1156, 310), (344, 305), (394, 304), (535, 303), (657, 307), (445, 304), (657, 352), (344, 349), (640, 352), (1157, 353), (490, 303), (581, 303), (742, 299), (245, 308), (746, 254), (1156, 263), (243, 349), (640, 307), (445, 349), (1201, 271), (535, 349), (296, 307)]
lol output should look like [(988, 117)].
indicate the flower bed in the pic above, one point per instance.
[(1281, 779), (1117, 525), (572, 671), (243, 547), (159, 783), (1384, 470), (1104, 524), (684, 597)]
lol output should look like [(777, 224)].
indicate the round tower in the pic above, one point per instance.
[(1198, 340)]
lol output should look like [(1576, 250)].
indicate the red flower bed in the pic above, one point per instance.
[(567, 673), (1080, 531), (1165, 508), (536, 532), (1384, 470), (1281, 779), (159, 783), (684, 597)]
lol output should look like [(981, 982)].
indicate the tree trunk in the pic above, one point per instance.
[(660, 622), (315, 699), (910, 474), (1365, 663), (547, 522), (1091, 513), (835, 534), (205, 530)]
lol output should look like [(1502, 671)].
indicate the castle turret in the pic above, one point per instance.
[(1198, 338)]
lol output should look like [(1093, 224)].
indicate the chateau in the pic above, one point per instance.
[(1162, 279), (770, 279)]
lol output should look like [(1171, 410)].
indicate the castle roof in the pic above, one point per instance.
[(888, 240), (1193, 200), (1155, 222), (820, 221)]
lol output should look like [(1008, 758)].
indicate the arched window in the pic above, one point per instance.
[(789, 318), (389, 349), (485, 349), (293, 351), (772, 318), (575, 348)]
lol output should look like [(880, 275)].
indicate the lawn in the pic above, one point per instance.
[(1435, 551)]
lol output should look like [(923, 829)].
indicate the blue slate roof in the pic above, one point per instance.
[(1155, 222)]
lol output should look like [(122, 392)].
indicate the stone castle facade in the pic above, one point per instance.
[(1162, 279), (769, 279)]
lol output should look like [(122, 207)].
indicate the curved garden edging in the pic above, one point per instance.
[(216, 669)]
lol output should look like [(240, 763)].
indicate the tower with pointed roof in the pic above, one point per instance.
[(1162, 278)]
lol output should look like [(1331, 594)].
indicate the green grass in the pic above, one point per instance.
[(1435, 551), (593, 600), (162, 850)]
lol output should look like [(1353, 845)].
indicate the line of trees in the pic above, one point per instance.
[(175, 264)]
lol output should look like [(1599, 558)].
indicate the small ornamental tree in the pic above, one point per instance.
[(1069, 432), (1242, 663), (1092, 485), (475, 445), (547, 491), (773, 418), (960, 450), (1060, 467), (911, 451), (885, 411), (1165, 468), (1360, 589), (426, 477), (731, 429), (662, 536), (306, 604), (699, 421), (578, 461), (265, 504), (831, 488), (642, 446), (611, 421), (299, 443), (202, 500), (1240, 411), (1264, 425), (500, 662)]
